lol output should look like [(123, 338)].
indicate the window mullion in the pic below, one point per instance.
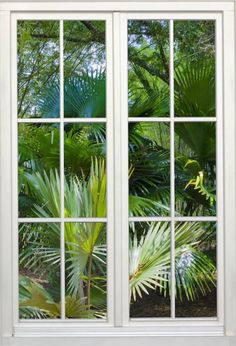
[(172, 167), (117, 171), (124, 205), (110, 170), (62, 236)]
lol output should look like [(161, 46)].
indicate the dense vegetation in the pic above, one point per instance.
[(85, 164)]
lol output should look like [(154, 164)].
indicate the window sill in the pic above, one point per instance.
[(119, 339), (104, 330)]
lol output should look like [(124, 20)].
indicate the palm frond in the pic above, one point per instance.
[(150, 263), (85, 97), (195, 89)]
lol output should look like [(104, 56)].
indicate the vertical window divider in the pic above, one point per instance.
[(124, 169), (117, 170), (219, 171), (110, 243), (62, 228), (14, 167), (172, 166)]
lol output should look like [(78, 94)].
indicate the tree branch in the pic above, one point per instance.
[(135, 59)]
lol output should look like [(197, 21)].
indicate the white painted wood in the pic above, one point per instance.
[(59, 120), (97, 6), (219, 172), (14, 174), (135, 331), (58, 219), (149, 119), (168, 119), (62, 226), (195, 119), (6, 302), (229, 172), (110, 169), (117, 169), (124, 169), (121, 340), (177, 218), (172, 168), (138, 340)]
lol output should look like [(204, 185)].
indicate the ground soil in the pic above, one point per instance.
[(155, 305)]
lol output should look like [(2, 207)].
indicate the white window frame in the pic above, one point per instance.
[(119, 329), (107, 120)]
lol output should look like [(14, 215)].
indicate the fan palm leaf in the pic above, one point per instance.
[(195, 89), (85, 97), (150, 263)]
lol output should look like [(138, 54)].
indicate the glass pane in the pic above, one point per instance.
[(38, 69), (194, 55), (39, 271), (149, 269), (195, 169), (196, 274), (84, 69), (86, 270), (38, 170), (148, 56), (149, 169), (85, 170)]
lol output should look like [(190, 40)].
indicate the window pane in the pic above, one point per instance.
[(84, 69), (39, 271), (195, 169), (194, 53), (149, 169), (149, 269), (148, 56), (85, 170), (86, 270), (38, 170), (196, 275), (38, 69)]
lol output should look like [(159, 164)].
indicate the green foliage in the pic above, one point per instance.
[(195, 89), (83, 241), (198, 184), (85, 169), (150, 263), (38, 63), (36, 303), (87, 198), (150, 98), (46, 190), (85, 97), (149, 259)]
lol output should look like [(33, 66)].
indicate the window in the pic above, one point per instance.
[(120, 192), (62, 80)]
